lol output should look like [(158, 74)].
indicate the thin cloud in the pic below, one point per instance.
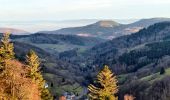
[(78, 9)]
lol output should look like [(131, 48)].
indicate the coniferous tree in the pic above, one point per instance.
[(6, 50), (107, 86), (34, 63), (162, 71), (36, 76)]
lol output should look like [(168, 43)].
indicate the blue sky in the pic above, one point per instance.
[(27, 10)]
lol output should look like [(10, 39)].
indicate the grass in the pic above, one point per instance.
[(154, 77), (48, 75), (122, 78), (59, 88), (75, 88), (59, 47)]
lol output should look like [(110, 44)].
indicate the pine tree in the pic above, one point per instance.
[(6, 50), (162, 71), (36, 76), (34, 63), (106, 88)]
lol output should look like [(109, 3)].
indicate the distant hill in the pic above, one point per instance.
[(106, 23), (148, 22), (108, 29), (13, 31), (98, 29)]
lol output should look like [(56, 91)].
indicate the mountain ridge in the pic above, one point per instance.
[(13, 31), (108, 29)]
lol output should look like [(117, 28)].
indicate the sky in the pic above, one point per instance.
[(34, 10)]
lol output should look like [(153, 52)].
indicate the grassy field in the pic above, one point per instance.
[(58, 47), (122, 78), (156, 76)]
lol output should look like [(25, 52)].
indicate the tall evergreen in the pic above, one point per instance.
[(36, 76), (6, 50), (162, 71), (106, 87)]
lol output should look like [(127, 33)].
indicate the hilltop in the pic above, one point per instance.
[(108, 29)]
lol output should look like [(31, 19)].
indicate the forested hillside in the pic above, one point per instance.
[(140, 57)]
